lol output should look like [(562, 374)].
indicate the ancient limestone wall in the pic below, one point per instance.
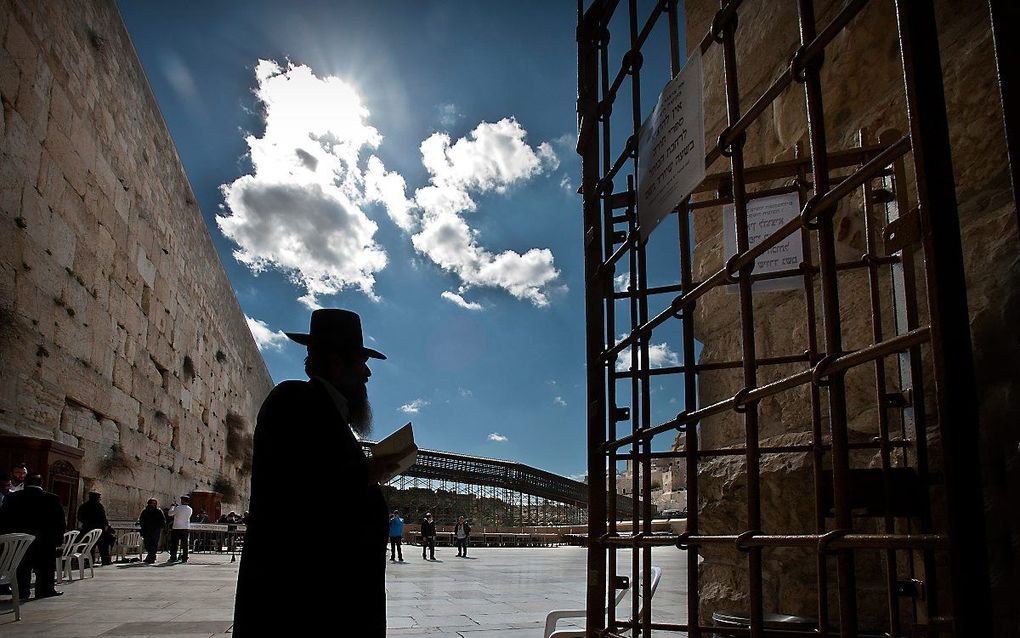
[(119, 331), (863, 89)]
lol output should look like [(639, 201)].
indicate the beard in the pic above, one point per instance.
[(359, 409)]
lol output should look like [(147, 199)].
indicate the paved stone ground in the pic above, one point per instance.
[(503, 592)]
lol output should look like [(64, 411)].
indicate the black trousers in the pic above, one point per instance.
[(179, 538), (39, 559), (395, 548), (151, 545), (430, 543), (461, 546)]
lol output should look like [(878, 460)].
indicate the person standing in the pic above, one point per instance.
[(428, 536), (181, 517), (461, 533), (396, 536), (33, 511), (320, 422), (152, 523), (92, 515)]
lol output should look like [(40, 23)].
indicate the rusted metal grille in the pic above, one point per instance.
[(935, 578)]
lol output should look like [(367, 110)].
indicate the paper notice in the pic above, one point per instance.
[(671, 148)]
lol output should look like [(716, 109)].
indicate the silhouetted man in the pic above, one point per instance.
[(314, 423), (396, 536), (152, 523), (92, 515), (461, 534), (428, 536), (33, 511)]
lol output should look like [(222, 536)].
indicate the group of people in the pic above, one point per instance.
[(461, 534), (153, 522), (25, 507)]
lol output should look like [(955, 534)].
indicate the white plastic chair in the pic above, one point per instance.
[(12, 551), (82, 552), (555, 616), (129, 543), (64, 560)]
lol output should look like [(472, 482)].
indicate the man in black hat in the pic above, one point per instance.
[(313, 423), (39, 513), (92, 515)]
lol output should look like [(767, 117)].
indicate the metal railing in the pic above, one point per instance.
[(922, 369)]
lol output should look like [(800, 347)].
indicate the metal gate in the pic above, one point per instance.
[(935, 578)]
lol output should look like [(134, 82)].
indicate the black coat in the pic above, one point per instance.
[(92, 515), (428, 529), (311, 497), (152, 521), (33, 511)]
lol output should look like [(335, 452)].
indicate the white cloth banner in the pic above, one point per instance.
[(671, 148), (766, 215)]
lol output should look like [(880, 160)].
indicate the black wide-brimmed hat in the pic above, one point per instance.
[(338, 330)]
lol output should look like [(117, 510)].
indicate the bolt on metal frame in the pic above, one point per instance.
[(949, 558)]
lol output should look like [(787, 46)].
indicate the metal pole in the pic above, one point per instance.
[(587, 103), (956, 391)]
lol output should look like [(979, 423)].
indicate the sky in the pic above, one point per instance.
[(413, 162)]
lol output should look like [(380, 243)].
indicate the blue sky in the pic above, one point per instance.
[(412, 162)]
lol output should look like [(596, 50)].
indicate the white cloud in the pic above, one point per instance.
[(660, 355), (560, 402), (460, 301), (414, 407), (448, 114), (567, 185), (498, 438), (181, 79), (300, 210), (265, 338), (464, 392), (621, 281), (491, 158), (388, 188)]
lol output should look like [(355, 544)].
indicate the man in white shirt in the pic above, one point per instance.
[(181, 516)]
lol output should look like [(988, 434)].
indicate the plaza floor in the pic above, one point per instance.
[(503, 592)]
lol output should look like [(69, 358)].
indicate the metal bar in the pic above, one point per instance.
[(885, 449), (790, 168), (822, 542), (752, 460), (913, 418), (715, 365), (775, 449), (777, 274), (587, 99), (610, 335), (840, 460), (818, 446), (690, 402), (956, 392), (816, 374)]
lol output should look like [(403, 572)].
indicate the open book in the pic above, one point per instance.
[(400, 443)]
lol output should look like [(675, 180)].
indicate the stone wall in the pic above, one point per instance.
[(863, 88), (119, 331)]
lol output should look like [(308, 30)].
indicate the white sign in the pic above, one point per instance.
[(766, 215), (671, 148)]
